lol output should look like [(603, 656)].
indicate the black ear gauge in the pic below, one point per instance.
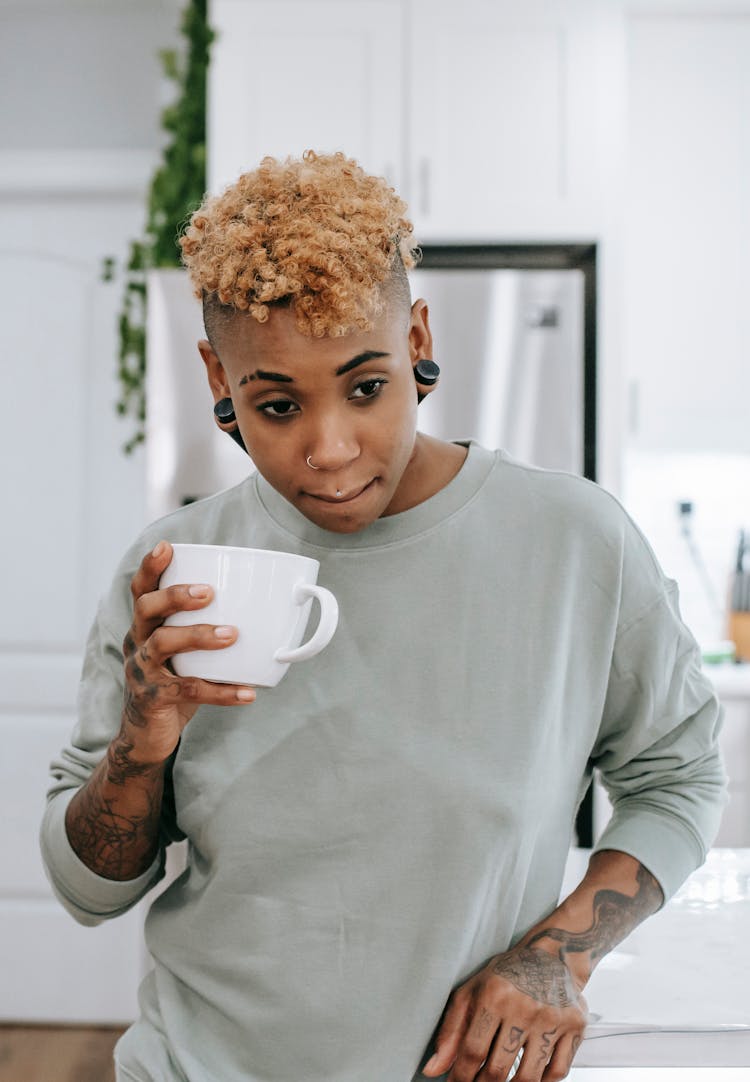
[(426, 372), (224, 413)]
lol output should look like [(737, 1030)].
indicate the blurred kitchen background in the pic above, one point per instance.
[(619, 130)]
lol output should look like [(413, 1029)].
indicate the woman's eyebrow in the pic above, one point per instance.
[(276, 377), (368, 355), (279, 377)]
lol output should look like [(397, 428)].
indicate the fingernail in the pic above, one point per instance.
[(223, 631), (198, 591), (430, 1063), (159, 550), (246, 695)]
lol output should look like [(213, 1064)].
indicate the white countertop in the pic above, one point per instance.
[(731, 681), (658, 1074), (676, 992)]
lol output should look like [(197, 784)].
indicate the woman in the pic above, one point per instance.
[(377, 844)]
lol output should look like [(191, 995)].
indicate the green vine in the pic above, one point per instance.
[(177, 188)]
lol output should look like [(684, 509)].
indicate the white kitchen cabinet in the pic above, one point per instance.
[(514, 111), (493, 119), (687, 315), (288, 75)]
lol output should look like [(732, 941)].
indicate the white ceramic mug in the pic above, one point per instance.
[(266, 595)]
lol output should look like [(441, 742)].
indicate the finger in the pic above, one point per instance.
[(146, 699), (165, 642), (538, 1051), (159, 702), (475, 1046), (503, 1053), (562, 1058), (146, 665), (449, 1035), (151, 609), (151, 568), (209, 693)]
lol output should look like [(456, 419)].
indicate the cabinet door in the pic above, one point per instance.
[(72, 503), (514, 126), (288, 75), (688, 233)]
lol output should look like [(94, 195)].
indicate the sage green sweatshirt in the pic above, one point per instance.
[(399, 809)]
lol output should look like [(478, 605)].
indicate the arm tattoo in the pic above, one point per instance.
[(120, 766), (113, 821), (615, 915)]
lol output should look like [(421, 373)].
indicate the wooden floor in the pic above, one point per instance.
[(57, 1054)]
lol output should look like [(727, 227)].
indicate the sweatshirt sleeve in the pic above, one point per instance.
[(90, 898), (657, 748)]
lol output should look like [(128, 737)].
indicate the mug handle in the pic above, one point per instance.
[(329, 618)]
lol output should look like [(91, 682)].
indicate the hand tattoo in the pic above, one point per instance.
[(537, 974), (514, 1043), (141, 689), (546, 1050), (484, 1022)]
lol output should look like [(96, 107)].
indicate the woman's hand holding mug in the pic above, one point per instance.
[(158, 703), (257, 603)]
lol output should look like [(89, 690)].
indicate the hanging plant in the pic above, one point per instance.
[(176, 190)]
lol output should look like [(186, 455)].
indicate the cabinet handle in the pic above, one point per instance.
[(424, 185)]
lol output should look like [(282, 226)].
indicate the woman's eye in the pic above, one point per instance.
[(282, 407), (369, 388)]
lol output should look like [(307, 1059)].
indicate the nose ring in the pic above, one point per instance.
[(309, 463)]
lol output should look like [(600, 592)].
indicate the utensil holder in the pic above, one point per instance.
[(739, 633)]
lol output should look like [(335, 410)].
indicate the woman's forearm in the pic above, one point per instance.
[(112, 822), (615, 895)]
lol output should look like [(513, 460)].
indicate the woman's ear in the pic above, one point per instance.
[(217, 377), (420, 335), (217, 380), (420, 349)]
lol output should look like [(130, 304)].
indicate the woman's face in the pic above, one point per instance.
[(349, 404)]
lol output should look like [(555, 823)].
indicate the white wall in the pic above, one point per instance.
[(83, 74)]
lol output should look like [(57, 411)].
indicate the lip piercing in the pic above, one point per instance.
[(312, 467)]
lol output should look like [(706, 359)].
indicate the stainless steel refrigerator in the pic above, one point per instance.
[(514, 335)]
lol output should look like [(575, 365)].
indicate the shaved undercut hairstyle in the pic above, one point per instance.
[(315, 233)]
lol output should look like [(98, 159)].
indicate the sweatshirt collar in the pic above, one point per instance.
[(390, 529)]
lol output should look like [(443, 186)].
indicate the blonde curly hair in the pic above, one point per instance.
[(315, 232)]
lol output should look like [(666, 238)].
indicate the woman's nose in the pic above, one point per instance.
[(332, 447)]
